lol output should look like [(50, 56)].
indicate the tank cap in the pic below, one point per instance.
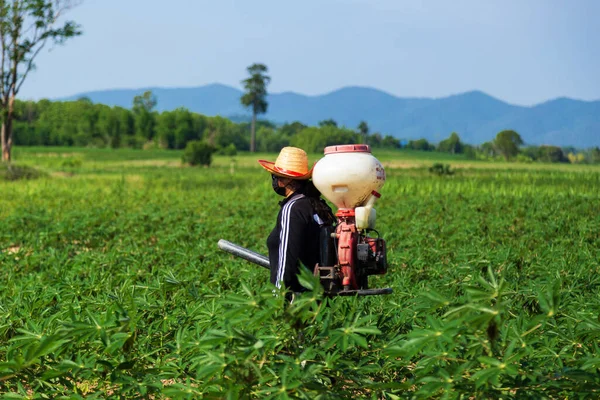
[(348, 148)]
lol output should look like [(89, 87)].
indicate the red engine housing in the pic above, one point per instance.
[(358, 257)]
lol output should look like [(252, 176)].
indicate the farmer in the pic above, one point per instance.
[(295, 237)]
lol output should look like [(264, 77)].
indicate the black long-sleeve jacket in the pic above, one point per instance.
[(295, 238)]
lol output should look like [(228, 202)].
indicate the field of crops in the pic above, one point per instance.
[(112, 284)]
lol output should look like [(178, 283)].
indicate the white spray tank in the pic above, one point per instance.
[(350, 177)]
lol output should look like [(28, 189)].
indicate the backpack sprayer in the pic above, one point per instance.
[(349, 176)]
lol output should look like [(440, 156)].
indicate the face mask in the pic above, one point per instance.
[(275, 184)]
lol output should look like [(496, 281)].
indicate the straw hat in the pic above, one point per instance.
[(291, 162)]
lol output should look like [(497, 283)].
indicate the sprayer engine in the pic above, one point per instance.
[(350, 177), (370, 258)]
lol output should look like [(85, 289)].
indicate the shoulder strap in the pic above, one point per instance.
[(322, 209)]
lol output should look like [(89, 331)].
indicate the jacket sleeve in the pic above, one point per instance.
[(291, 242)]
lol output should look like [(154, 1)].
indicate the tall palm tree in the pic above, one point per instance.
[(363, 129), (255, 96)]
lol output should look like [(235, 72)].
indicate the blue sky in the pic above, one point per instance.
[(521, 51)]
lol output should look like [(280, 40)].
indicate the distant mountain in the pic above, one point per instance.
[(475, 116)]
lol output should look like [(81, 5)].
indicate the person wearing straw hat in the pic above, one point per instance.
[(295, 237)]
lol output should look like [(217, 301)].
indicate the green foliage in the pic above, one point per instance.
[(420, 144), (228, 150), (363, 130), (328, 122), (145, 117), (452, 145), (71, 162), (576, 158), (12, 172), (441, 169), (112, 286), (220, 132), (174, 129), (144, 102), (523, 158), (165, 130), (255, 86), (83, 123), (314, 139), (292, 129), (470, 152), (388, 142), (271, 140), (507, 143), (198, 153), (488, 150), (551, 154), (595, 155)]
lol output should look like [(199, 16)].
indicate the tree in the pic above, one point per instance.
[(108, 128), (255, 96), (26, 26), (291, 129), (373, 140), (86, 116), (507, 143), (220, 132), (595, 155), (487, 149), (363, 129), (126, 126), (271, 140), (184, 128), (165, 129), (469, 151), (420, 144), (576, 158), (532, 152), (328, 122), (198, 153), (451, 145), (553, 154), (145, 102), (391, 142), (145, 120), (315, 139)]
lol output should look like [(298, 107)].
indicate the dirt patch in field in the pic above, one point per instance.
[(13, 249), (403, 164), (18, 251), (149, 163), (56, 155)]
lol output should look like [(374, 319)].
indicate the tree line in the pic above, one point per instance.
[(509, 145), (83, 123)]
